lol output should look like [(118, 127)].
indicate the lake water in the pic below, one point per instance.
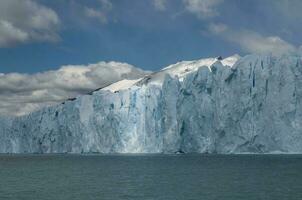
[(159, 177)]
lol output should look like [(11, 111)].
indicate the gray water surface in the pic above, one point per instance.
[(160, 177)]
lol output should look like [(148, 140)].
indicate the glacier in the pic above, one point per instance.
[(251, 104)]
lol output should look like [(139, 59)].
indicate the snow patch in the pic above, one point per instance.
[(121, 85)]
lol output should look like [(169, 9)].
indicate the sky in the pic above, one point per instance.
[(69, 39)]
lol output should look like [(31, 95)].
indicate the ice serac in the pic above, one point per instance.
[(206, 106)]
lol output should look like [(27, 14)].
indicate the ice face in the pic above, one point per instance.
[(253, 106)]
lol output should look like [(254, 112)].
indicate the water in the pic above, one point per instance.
[(165, 177)]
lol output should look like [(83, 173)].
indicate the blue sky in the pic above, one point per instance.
[(147, 33)]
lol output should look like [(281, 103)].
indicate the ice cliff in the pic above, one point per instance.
[(206, 106)]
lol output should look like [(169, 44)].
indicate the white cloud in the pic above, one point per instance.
[(24, 21), (10, 35), (202, 8), (101, 14), (251, 41), (106, 4), (93, 13), (217, 28), (160, 5), (22, 93)]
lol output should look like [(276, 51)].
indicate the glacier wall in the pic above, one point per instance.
[(252, 107)]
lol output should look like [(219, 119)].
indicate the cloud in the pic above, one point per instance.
[(202, 8), (217, 28), (100, 14), (23, 93), (252, 42), (93, 13), (23, 21), (160, 5), (11, 35)]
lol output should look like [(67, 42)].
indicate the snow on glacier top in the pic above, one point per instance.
[(180, 70), (121, 85)]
